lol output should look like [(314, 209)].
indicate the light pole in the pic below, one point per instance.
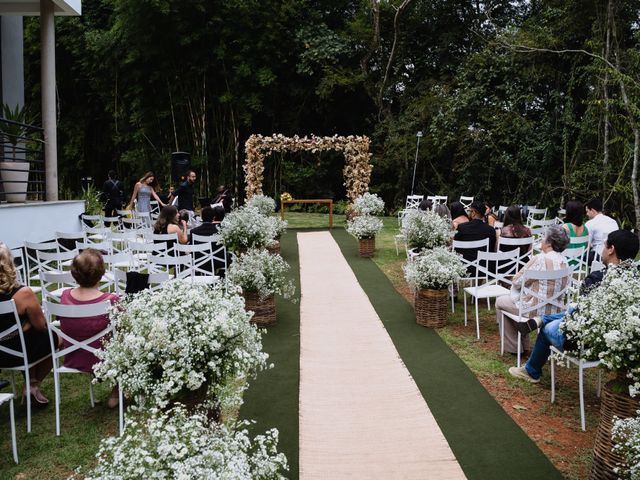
[(415, 163)]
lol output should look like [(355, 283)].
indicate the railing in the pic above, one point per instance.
[(21, 145)]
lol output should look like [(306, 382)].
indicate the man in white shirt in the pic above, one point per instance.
[(599, 224)]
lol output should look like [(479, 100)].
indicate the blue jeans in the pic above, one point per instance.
[(550, 334)]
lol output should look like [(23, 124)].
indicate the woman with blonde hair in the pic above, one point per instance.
[(34, 327), (146, 187)]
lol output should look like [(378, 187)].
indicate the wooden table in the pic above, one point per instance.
[(328, 201)]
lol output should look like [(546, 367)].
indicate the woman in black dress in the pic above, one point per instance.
[(34, 327)]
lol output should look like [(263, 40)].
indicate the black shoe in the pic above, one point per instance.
[(525, 328)]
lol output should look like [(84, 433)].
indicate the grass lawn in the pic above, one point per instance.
[(554, 427)]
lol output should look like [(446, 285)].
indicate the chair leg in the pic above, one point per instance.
[(519, 340), (56, 386), (27, 393), (464, 297), (395, 240), (581, 388), (14, 445), (120, 410), (91, 398), (477, 321), (553, 380), (13, 383), (502, 334), (488, 303)]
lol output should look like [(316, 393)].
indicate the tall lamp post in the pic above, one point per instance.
[(415, 163)]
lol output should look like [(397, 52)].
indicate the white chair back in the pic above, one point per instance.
[(54, 261), (542, 223), (413, 201), (91, 221), (20, 262), (536, 214), (54, 283), (218, 250), (495, 268), (518, 244), (471, 265), (164, 263), (68, 240), (31, 250), (541, 299), (168, 239), (466, 201), (436, 199)]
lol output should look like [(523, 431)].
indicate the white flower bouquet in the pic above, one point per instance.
[(180, 445), (425, 229), (364, 226), (261, 272), (626, 438), (368, 204), (435, 269), (246, 228), (278, 226), (265, 205), (182, 337), (605, 324)]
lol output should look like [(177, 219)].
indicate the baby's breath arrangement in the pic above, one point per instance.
[(183, 336), (368, 204), (180, 445), (435, 269), (605, 324), (626, 438), (279, 226), (364, 226), (265, 205), (262, 272), (425, 229), (247, 228)]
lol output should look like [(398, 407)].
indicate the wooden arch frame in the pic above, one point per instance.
[(357, 169)]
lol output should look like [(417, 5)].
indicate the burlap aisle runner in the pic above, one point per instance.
[(361, 414)]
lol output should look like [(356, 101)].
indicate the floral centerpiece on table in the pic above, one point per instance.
[(626, 438), (605, 324), (425, 229), (246, 228), (364, 227), (265, 205), (261, 272), (436, 269), (183, 337), (368, 204), (180, 445)]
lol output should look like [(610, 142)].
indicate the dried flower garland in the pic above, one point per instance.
[(357, 169)]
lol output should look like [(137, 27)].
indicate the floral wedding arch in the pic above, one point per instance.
[(357, 169)]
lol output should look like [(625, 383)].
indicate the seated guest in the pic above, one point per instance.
[(223, 198), (513, 228), (87, 269), (458, 214), (489, 217), (425, 205), (574, 223), (475, 229), (620, 245), (599, 225), (554, 242), (169, 222), (34, 328), (442, 210)]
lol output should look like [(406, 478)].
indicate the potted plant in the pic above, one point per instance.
[(626, 441), (430, 275), (365, 228), (14, 169), (368, 204), (261, 275), (182, 339), (425, 230), (246, 228), (605, 326), (181, 444)]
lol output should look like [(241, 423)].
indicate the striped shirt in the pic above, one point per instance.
[(544, 262)]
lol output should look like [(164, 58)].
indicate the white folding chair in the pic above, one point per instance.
[(9, 307), (517, 244), (144, 217), (164, 263), (54, 283), (582, 366), (413, 201), (155, 280), (113, 262), (542, 223), (91, 221), (437, 199), (466, 201), (72, 313), (8, 397), (201, 269), (494, 269), (130, 223), (155, 208), (170, 240), (399, 237), (218, 250), (33, 265), (19, 261), (126, 213), (98, 234), (577, 260), (536, 214), (459, 246), (501, 210), (104, 247), (111, 222), (54, 261), (556, 302), (67, 240)]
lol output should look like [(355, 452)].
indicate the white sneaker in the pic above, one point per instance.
[(523, 374)]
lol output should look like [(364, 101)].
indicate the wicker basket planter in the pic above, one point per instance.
[(264, 311), (612, 404), (366, 247), (431, 307), (274, 248)]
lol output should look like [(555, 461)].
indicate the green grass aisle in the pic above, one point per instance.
[(484, 439), (272, 398)]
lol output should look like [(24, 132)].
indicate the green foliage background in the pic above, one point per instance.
[(140, 79)]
